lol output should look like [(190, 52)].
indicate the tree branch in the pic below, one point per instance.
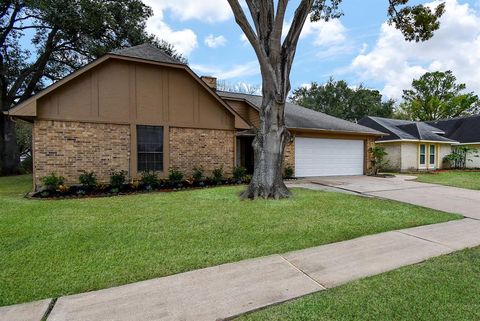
[(10, 25), (290, 43), (247, 29)]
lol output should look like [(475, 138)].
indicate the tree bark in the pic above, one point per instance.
[(269, 146), (9, 158)]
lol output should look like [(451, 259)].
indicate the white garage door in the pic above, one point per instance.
[(328, 157)]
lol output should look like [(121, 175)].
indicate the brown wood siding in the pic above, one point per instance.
[(246, 111), (127, 92)]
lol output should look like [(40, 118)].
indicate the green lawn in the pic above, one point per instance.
[(50, 248), (470, 180), (443, 288)]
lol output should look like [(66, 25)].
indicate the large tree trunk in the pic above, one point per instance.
[(9, 158), (269, 145)]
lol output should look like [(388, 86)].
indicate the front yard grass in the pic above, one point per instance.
[(462, 179), (50, 248), (443, 288)]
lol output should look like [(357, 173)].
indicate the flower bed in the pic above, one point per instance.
[(78, 191), (54, 186)]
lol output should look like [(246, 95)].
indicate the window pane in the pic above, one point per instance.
[(432, 149), (422, 149), (150, 148), (432, 159), (422, 159)]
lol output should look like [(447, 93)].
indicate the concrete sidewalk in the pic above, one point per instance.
[(228, 290)]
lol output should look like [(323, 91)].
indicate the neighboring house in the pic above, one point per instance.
[(413, 146), (137, 109)]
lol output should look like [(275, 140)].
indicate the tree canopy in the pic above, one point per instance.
[(337, 99), (437, 95), (41, 41)]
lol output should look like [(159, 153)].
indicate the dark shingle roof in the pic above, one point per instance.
[(405, 129), (147, 52), (463, 130), (300, 117)]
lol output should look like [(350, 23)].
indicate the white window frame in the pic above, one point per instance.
[(424, 165), (430, 164)]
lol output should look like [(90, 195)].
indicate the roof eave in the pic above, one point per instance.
[(345, 132), (417, 141)]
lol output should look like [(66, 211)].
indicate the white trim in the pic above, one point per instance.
[(425, 154), (417, 141), (474, 143), (430, 165)]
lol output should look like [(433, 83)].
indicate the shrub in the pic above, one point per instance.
[(239, 173), (88, 180), (149, 179), (198, 174), (175, 176), (52, 182), (288, 171), (378, 159), (217, 175), (117, 179), (459, 157)]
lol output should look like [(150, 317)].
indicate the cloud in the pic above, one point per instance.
[(207, 11), (325, 33), (250, 68), (184, 40), (396, 62), (213, 42)]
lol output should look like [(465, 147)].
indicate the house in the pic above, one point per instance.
[(413, 146), (137, 109)]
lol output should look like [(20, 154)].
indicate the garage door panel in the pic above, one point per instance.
[(328, 157)]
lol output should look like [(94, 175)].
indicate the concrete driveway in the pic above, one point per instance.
[(402, 188)]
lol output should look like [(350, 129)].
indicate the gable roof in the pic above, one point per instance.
[(146, 51), (297, 117), (463, 129), (405, 130)]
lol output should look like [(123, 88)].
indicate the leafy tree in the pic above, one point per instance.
[(275, 55), (437, 95), (64, 35), (336, 98)]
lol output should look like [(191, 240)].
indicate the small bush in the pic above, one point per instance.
[(198, 174), (117, 180), (149, 179), (288, 171), (217, 175), (239, 173), (52, 182), (175, 176), (88, 180)]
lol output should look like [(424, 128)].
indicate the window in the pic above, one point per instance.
[(422, 154), (432, 154), (150, 148)]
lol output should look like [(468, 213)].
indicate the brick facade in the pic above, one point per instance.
[(207, 148), (67, 148), (369, 143), (289, 155)]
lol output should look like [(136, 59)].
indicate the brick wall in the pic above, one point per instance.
[(67, 148), (289, 155), (369, 143), (207, 148)]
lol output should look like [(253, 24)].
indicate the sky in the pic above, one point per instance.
[(360, 47)]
